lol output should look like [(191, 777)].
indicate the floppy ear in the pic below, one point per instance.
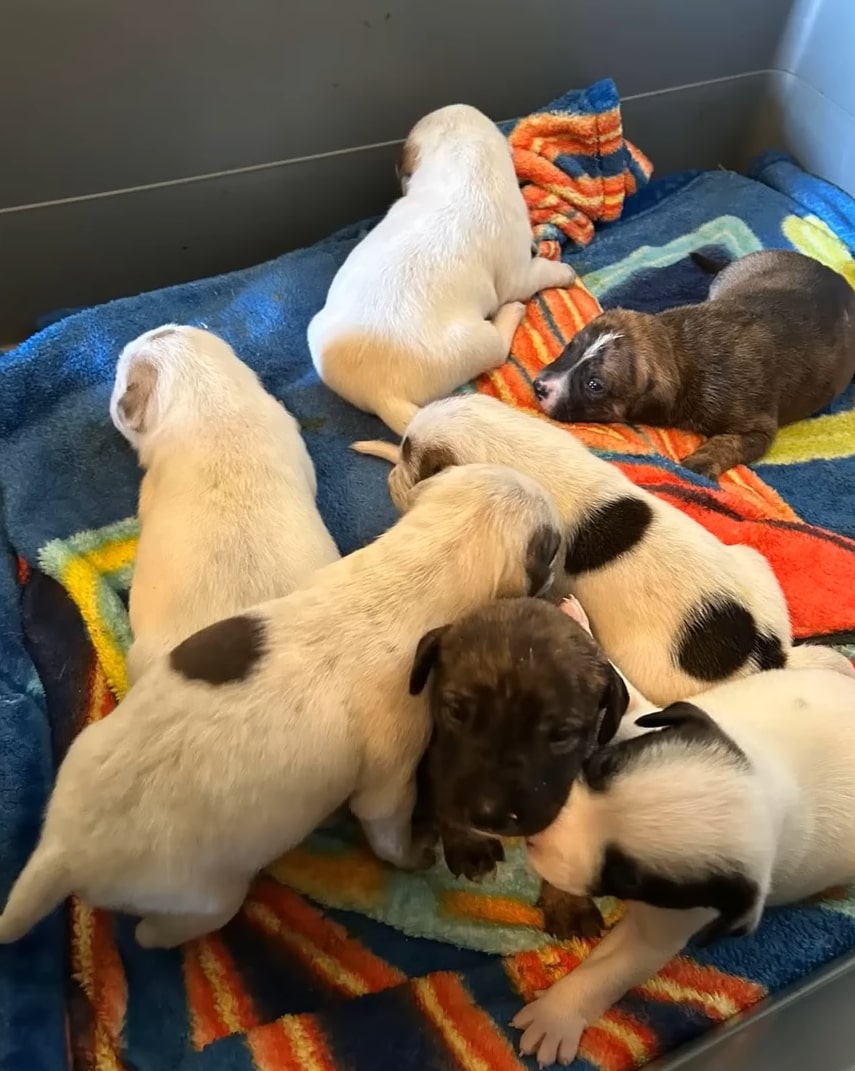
[(425, 658), (677, 716), (541, 558), (614, 703), (433, 460), (406, 164), (135, 403)]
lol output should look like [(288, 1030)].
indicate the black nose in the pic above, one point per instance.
[(487, 813), (540, 388)]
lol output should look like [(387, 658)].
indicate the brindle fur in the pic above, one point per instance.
[(520, 696), (773, 343)]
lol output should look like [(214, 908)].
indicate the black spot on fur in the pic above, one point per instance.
[(727, 891), (540, 558), (607, 533), (717, 639), (768, 652), (222, 653), (406, 450)]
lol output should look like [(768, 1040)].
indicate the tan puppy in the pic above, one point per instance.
[(231, 749), (675, 608), (744, 799), (774, 343), (430, 298), (227, 503)]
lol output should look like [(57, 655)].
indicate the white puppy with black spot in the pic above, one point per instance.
[(431, 297), (227, 503), (669, 603), (236, 745), (746, 797)]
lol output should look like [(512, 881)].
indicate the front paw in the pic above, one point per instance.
[(566, 916), (551, 1031), (703, 465), (473, 858)]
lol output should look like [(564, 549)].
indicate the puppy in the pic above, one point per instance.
[(774, 343), (227, 503), (431, 297), (232, 748), (744, 798), (520, 695), (676, 609)]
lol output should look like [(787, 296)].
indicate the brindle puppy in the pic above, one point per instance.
[(773, 343), (520, 696)]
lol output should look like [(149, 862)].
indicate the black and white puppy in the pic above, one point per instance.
[(670, 604), (744, 798)]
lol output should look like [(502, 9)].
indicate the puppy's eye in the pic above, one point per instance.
[(562, 735), (455, 712), (594, 385)]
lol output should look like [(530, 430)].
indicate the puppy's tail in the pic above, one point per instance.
[(396, 413), (377, 448), (42, 886), (814, 656), (709, 264)]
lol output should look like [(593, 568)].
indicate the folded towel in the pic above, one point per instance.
[(575, 166)]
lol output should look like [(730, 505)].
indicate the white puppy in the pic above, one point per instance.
[(670, 604), (227, 503), (746, 798), (430, 298), (236, 745)]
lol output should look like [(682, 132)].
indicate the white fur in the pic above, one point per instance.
[(227, 503), (788, 821), (638, 603), (169, 806), (430, 298)]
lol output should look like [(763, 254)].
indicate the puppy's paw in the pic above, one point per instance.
[(423, 852), (566, 916), (551, 1031), (702, 464), (473, 858)]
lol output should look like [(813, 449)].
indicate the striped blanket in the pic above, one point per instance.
[(337, 962)]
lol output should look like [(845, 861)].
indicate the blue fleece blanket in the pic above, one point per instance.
[(64, 471)]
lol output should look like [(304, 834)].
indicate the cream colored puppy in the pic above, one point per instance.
[(227, 503), (431, 297), (236, 745), (670, 604), (745, 798)]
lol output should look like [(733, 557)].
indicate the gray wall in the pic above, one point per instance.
[(810, 103), (149, 143)]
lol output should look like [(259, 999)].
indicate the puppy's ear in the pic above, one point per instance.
[(614, 703), (679, 716), (135, 404), (407, 163), (432, 461), (541, 558), (425, 658)]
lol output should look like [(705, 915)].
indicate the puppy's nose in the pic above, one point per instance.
[(541, 388), (487, 813)]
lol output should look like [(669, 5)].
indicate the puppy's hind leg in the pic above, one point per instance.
[(485, 345), (545, 274), (723, 452), (168, 931)]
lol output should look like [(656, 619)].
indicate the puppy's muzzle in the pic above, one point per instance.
[(548, 390)]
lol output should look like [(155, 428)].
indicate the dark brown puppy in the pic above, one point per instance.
[(520, 697), (773, 343)]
